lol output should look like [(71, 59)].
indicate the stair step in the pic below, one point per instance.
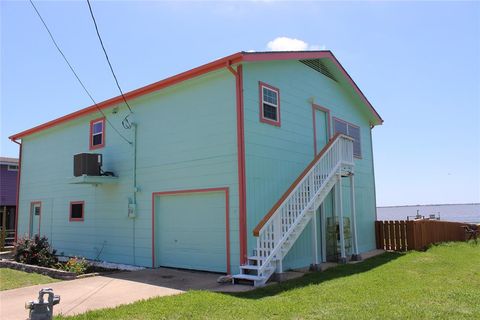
[(250, 267), (254, 267), (250, 277), (256, 258)]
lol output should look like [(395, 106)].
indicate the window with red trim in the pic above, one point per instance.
[(77, 210), (269, 104), (351, 130), (97, 133)]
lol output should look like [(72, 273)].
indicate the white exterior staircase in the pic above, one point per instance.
[(282, 226)]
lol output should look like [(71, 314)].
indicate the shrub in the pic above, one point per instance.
[(77, 265), (36, 251)]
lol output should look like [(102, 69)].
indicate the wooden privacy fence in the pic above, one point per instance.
[(416, 234)]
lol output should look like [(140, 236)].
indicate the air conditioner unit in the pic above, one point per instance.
[(87, 164)]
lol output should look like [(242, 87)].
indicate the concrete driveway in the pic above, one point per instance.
[(81, 295)]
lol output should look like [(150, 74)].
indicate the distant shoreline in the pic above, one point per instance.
[(432, 205), (463, 212)]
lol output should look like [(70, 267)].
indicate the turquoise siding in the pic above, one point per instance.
[(275, 156), (186, 140)]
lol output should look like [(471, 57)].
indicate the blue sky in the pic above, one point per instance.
[(417, 62)]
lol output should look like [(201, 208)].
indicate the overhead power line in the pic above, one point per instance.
[(76, 75), (106, 56)]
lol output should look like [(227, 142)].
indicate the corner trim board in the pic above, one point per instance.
[(17, 211), (242, 198)]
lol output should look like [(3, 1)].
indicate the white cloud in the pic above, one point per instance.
[(291, 44)]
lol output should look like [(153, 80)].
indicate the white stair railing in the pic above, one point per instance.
[(290, 213)]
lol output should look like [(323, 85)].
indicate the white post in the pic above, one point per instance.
[(354, 217), (314, 238), (277, 233), (279, 266), (323, 233), (343, 256)]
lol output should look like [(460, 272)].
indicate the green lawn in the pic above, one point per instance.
[(441, 283), (11, 279)]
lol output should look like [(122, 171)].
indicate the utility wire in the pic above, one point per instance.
[(127, 124), (76, 75)]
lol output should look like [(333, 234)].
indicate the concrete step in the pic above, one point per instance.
[(249, 277)]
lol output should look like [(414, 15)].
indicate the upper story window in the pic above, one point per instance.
[(269, 104), (76, 211), (97, 133), (12, 167), (340, 126)]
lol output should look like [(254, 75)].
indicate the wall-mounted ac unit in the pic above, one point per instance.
[(87, 164)]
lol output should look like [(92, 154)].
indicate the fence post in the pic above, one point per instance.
[(4, 229), (377, 234), (410, 235), (383, 243), (393, 244)]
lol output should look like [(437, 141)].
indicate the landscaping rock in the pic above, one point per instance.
[(225, 279), (53, 273)]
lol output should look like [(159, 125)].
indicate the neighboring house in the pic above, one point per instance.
[(212, 170), (8, 191)]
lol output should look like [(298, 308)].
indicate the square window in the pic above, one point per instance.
[(76, 211), (269, 104)]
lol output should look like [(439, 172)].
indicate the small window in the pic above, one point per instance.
[(350, 130), (269, 104), (76, 211), (12, 167), (97, 133)]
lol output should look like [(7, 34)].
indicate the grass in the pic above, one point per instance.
[(441, 283), (11, 279)]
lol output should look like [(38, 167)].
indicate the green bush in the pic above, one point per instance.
[(77, 265), (36, 251)]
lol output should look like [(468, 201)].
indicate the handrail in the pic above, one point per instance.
[(297, 181)]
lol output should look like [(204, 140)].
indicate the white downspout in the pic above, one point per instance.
[(132, 206), (343, 256), (354, 217)]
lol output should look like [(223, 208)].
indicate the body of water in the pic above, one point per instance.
[(468, 212)]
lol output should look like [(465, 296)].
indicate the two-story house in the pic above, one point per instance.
[(252, 164)]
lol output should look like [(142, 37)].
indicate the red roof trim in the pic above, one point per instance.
[(215, 65), (285, 55)]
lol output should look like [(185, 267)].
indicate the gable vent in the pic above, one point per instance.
[(318, 65)]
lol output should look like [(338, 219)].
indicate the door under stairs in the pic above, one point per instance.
[(281, 227)]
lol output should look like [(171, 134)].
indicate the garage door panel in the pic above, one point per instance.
[(191, 231)]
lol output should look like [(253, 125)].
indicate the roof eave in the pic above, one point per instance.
[(214, 65), (299, 55)]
